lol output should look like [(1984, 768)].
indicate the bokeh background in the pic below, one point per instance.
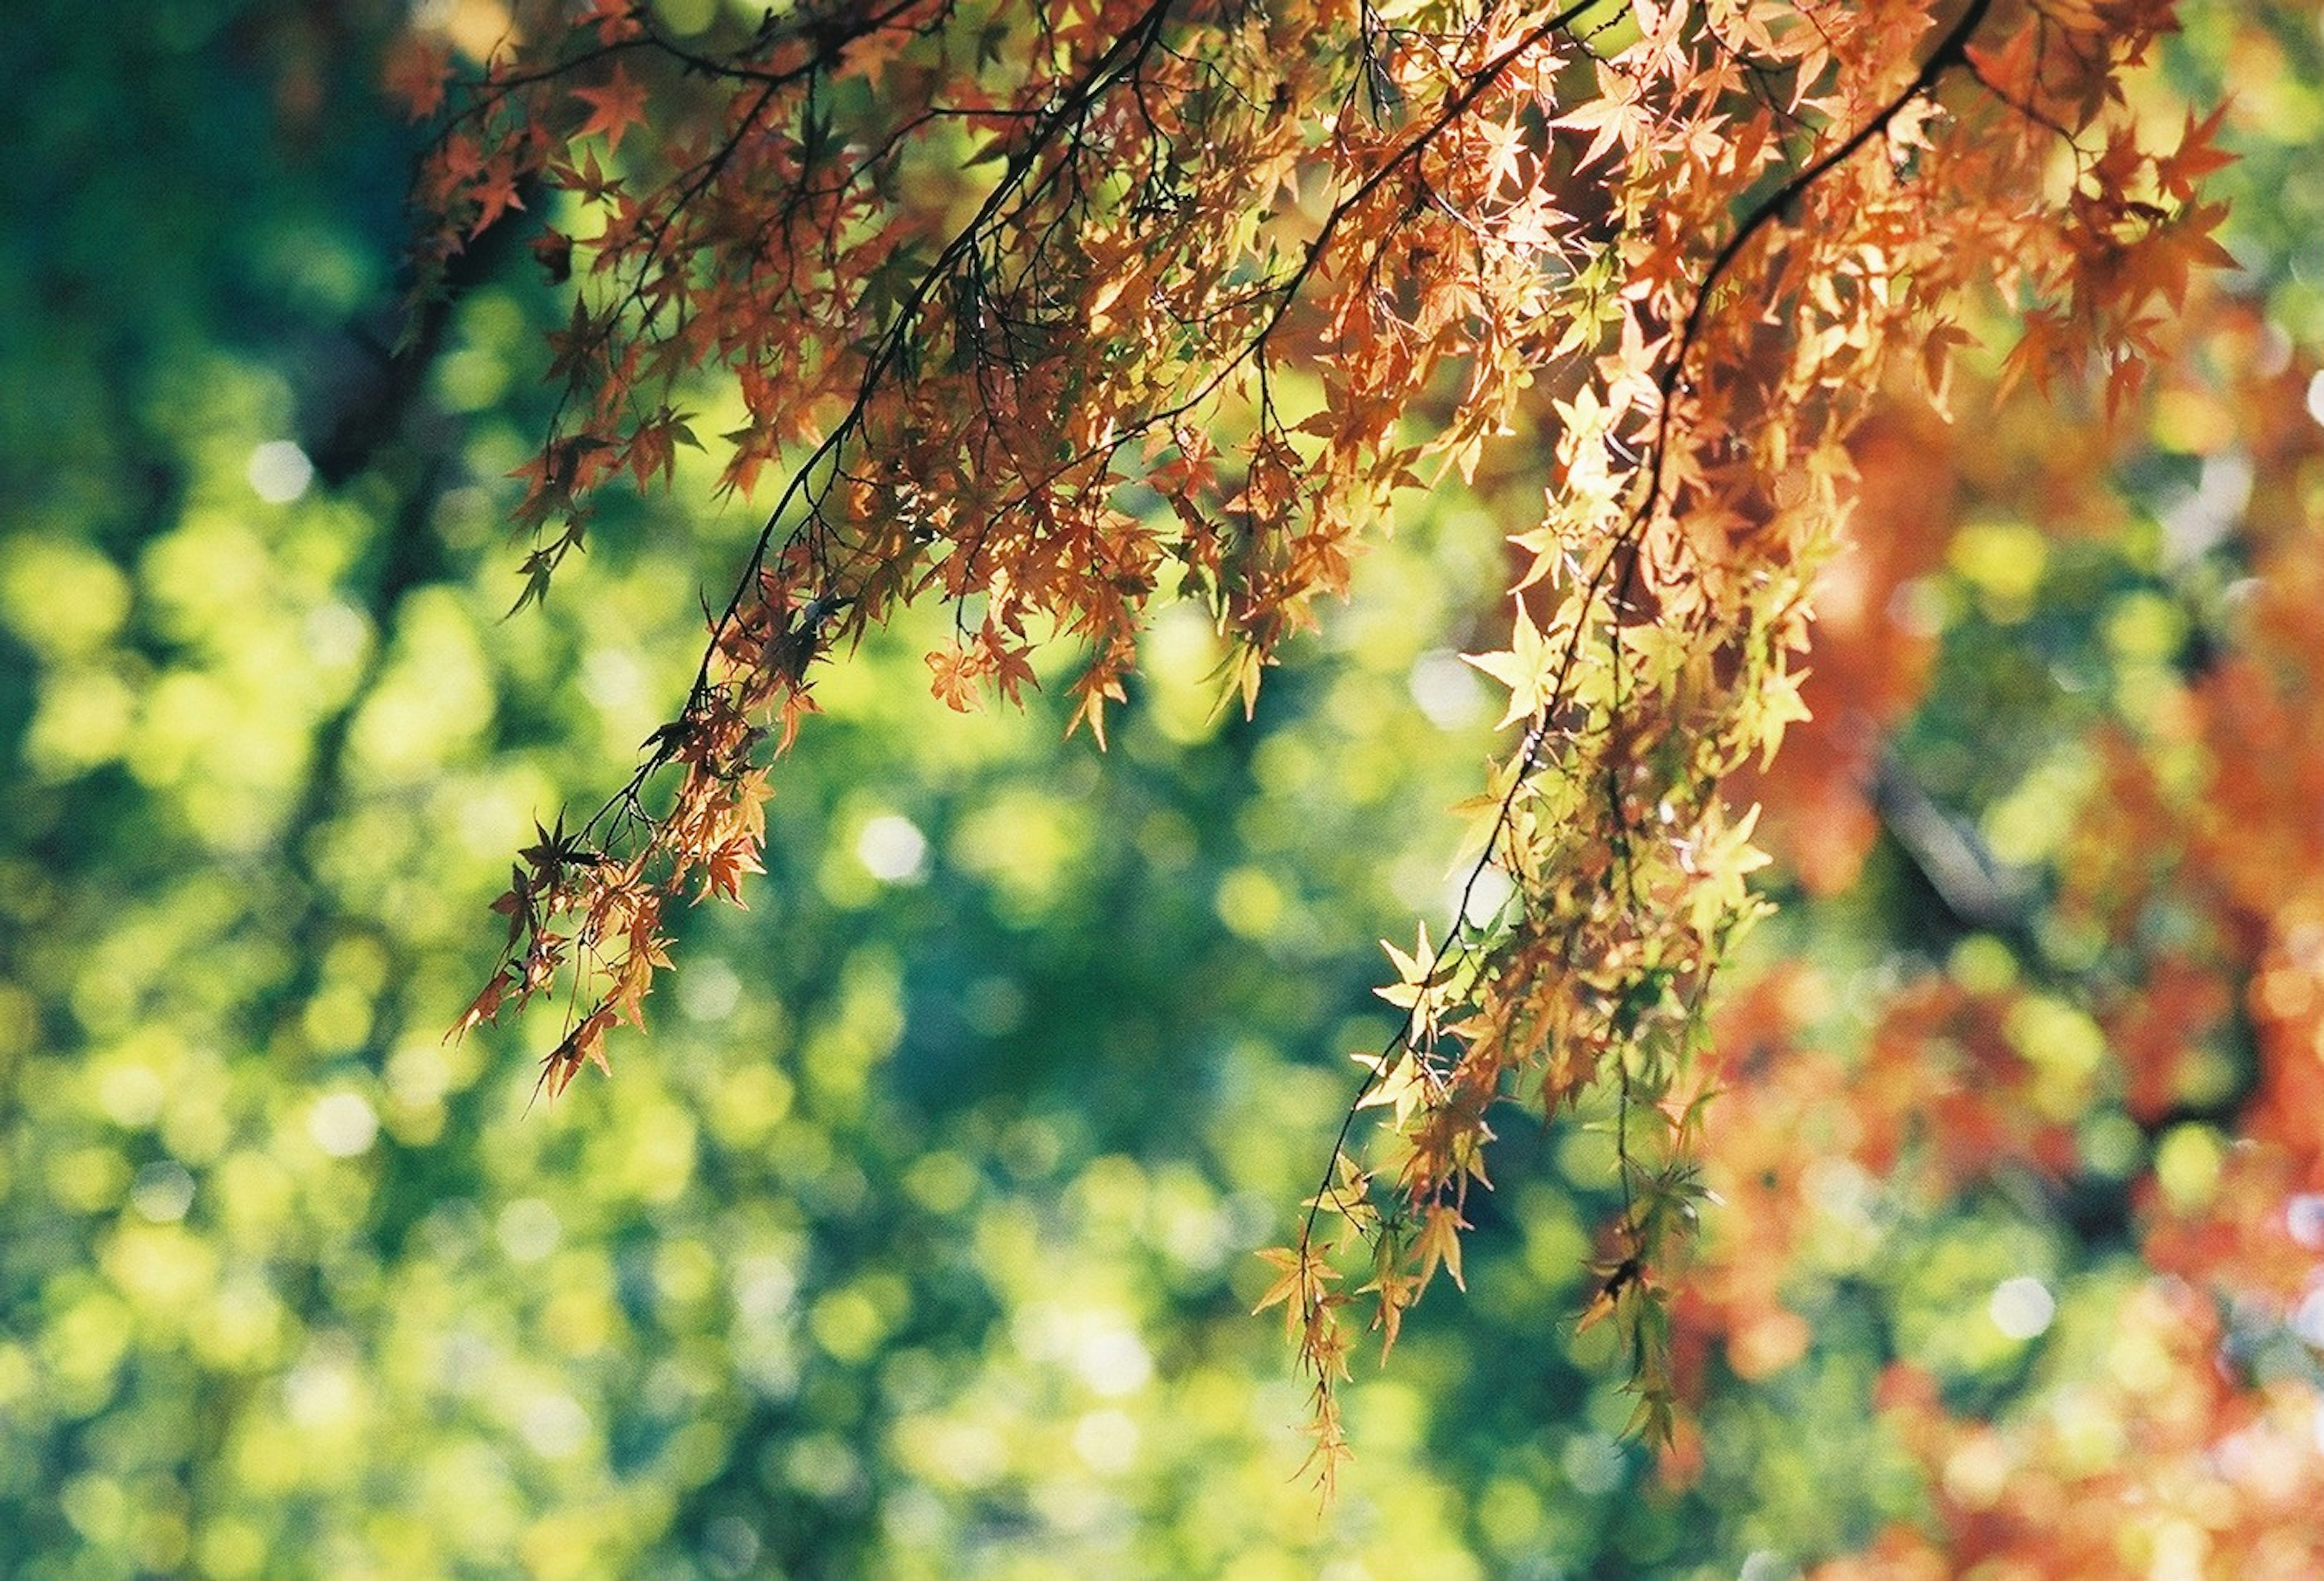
[(916, 1240)]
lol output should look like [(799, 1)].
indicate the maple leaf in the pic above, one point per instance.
[(1613, 118), (1617, 1284), (1397, 1292), (1092, 691), (1722, 863), (1525, 668), (1302, 1286), (1012, 670), (1416, 985), (1439, 1244), (954, 675), (584, 1045), (615, 105), (553, 251), (2182, 171), (516, 904), (418, 68), (484, 1007), (495, 194), (554, 850), (634, 983), (1936, 363), (653, 446), (725, 867), (1779, 703), (1398, 1082), (616, 20)]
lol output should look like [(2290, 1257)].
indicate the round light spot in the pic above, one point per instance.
[(279, 472), (612, 679), (336, 635), (344, 1124), (131, 1096), (1113, 1362), (2022, 1308), (1447, 691), (320, 1391), (2308, 1319), (709, 991), (892, 850), (163, 1191), (529, 1230), (554, 1425), (1592, 1462), (2303, 1217)]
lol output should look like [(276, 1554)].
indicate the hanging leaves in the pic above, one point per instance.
[(1008, 296)]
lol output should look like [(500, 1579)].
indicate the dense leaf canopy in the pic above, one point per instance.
[(1974, 1216)]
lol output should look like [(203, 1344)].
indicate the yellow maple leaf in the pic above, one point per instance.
[(1524, 667)]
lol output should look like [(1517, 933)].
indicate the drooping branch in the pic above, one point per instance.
[(1470, 1021), (1043, 394)]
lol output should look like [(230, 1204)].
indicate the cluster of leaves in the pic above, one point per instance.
[(285, 1291), (1008, 293), (2117, 1047)]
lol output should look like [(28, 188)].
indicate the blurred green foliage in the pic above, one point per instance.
[(916, 1240)]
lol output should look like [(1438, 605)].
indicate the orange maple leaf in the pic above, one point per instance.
[(416, 71), (614, 107)]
